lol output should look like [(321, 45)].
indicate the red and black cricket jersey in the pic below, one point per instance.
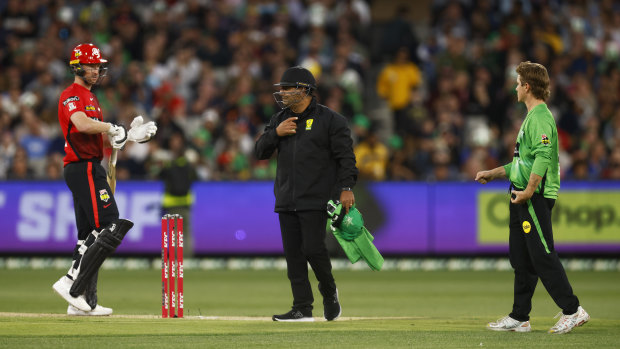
[(79, 146)]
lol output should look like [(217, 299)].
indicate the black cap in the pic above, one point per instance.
[(298, 77)]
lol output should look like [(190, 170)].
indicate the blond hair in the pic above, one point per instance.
[(537, 77)]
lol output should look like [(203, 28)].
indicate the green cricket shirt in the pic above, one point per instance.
[(537, 151)]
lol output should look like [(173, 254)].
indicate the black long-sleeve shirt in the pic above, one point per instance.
[(315, 163)]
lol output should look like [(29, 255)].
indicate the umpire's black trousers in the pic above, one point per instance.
[(303, 239), (533, 256)]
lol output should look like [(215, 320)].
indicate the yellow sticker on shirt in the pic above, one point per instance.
[(309, 124)]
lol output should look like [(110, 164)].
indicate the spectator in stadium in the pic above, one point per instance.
[(372, 157), (178, 173), (468, 50), (20, 170), (8, 148), (396, 84)]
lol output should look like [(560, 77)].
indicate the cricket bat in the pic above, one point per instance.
[(112, 170)]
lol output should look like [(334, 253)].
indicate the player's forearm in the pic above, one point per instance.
[(97, 127), (532, 184), (87, 125), (498, 172)]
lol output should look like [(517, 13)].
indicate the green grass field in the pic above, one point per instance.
[(388, 309)]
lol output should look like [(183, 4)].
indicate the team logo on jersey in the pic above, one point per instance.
[(70, 99), (545, 140), (309, 124), (91, 107), (103, 195), (527, 227), (71, 106)]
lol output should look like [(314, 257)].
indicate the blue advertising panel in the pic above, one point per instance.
[(397, 214), (454, 219), (38, 217), (233, 217), (237, 218)]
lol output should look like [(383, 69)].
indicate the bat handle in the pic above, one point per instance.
[(112, 170), (113, 156)]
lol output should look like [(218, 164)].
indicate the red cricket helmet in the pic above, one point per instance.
[(87, 54)]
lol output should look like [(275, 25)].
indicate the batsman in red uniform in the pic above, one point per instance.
[(99, 228)]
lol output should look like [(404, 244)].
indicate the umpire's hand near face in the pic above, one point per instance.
[(287, 127)]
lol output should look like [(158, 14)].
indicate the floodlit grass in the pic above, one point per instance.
[(413, 309)]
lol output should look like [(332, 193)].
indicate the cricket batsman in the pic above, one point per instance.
[(100, 231)]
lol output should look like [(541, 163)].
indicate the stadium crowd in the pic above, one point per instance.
[(427, 100)]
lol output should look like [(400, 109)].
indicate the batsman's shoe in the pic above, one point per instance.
[(568, 322), (331, 307), (98, 311), (63, 286), (294, 315), (509, 324)]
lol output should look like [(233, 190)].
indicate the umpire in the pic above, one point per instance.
[(315, 163)]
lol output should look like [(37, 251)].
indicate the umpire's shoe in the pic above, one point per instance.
[(295, 315), (331, 307), (62, 287)]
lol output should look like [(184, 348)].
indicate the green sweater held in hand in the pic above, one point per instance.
[(355, 239)]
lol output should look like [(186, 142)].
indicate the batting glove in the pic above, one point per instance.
[(117, 135), (141, 132)]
